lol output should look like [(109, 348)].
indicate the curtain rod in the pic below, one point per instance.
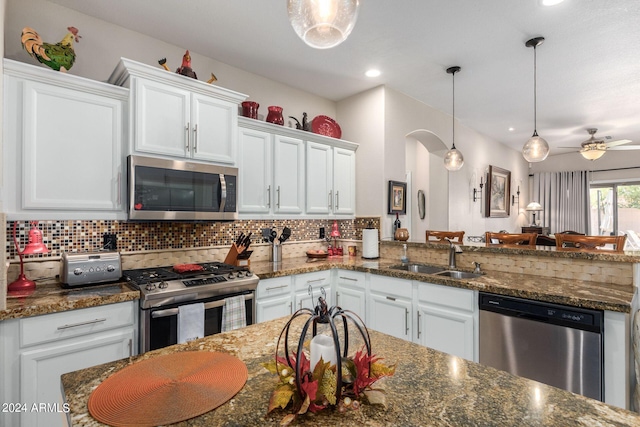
[(608, 170)]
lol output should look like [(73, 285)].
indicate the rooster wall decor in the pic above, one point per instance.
[(185, 69), (59, 56)]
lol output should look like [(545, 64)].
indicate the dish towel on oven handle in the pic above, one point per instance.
[(234, 315), (190, 322)]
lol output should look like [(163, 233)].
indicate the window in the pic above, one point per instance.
[(615, 209)]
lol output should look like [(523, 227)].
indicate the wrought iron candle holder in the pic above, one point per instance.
[(328, 316)]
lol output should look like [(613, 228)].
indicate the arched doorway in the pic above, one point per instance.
[(425, 171)]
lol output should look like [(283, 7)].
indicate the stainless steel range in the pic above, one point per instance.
[(164, 289)]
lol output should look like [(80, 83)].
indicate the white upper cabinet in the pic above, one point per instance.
[(176, 116), (65, 158), (288, 171), (319, 178), (288, 165), (254, 166), (331, 180)]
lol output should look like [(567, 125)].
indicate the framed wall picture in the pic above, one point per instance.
[(397, 197), (498, 193)]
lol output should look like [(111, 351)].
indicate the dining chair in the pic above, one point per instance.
[(542, 240), (577, 242), (520, 239), (440, 236)]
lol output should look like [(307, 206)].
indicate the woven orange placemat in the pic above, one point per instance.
[(167, 389)]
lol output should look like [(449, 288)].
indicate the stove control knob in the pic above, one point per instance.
[(150, 286), (231, 276), (110, 268), (248, 273), (77, 271), (163, 285), (239, 274)]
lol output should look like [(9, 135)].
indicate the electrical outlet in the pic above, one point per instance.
[(322, 232), (110, 241)]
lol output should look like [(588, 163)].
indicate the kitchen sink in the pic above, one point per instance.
[(458, 274), (419, 268)]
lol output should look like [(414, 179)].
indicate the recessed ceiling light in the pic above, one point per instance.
[(511, 129), (372, 73), (551, 2)]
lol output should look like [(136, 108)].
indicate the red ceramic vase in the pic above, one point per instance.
[(275, 115), (250, 109)]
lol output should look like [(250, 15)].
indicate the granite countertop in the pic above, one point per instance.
[(542, 251), (576, 293), (428, 388), (51, 297)]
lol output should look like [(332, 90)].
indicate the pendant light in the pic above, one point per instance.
[(536, 148), (323, 24), (453, 160)]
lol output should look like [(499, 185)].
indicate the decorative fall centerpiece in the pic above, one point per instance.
[(321, 373)]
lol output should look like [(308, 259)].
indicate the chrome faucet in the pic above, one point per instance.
[(453, 250)]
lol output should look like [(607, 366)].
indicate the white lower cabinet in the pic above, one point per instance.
[(447, 319), (390, 306), (310, 286), (273, 299), (38, 350), (351, 292)]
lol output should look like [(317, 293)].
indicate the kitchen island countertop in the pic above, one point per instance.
[(429, 388)]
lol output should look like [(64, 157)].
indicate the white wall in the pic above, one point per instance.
[(103, 44), (404, 115), (3, 255), (365, 114)]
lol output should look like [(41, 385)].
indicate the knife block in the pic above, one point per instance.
[(232, 255)]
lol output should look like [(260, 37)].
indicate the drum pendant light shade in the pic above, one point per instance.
[(323, 24), (536, 148), (453, 159)]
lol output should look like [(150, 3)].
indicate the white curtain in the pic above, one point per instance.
[(564, 197)]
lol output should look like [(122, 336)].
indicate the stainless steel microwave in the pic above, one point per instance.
[(161, 189)]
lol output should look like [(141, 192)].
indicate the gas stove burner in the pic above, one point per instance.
[(162, 285), (150, 275)]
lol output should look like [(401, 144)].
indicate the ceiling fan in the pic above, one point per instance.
[(594, 148)]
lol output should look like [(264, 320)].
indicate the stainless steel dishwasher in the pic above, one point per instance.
[(554, 344)]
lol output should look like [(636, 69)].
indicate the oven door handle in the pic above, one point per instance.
[(174, 311)]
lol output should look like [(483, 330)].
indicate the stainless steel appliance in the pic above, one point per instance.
[(87, 268), (160, 189), (163, 291), (557, 345)]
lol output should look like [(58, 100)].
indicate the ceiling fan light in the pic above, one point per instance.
[(453, 160), (323, 24), (535, 149), (592, 152)]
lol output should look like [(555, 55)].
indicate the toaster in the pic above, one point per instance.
[(87, 268)]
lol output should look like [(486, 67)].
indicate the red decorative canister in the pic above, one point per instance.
[(275, 115)]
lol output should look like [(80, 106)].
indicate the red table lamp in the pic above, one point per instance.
[(22, 287)]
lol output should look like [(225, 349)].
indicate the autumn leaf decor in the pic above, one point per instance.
[(343, 382), (318, 387)]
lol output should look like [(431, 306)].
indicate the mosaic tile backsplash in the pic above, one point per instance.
[(81, 236)]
